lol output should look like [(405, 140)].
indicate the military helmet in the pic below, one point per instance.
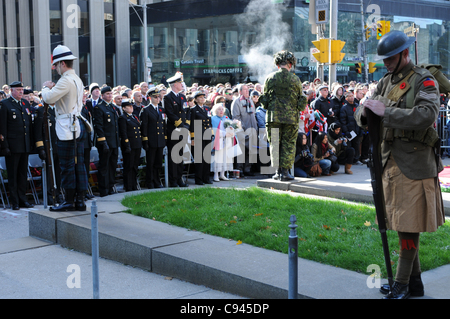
[(393, 43), (284, 56)]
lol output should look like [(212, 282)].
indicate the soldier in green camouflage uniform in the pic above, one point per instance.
[(283, 99)]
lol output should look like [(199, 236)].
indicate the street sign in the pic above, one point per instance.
[(322, 13), (411, 31)]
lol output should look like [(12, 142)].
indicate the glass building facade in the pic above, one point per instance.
[(216, 42)]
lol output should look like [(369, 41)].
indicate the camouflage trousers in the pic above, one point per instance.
[(282, 139)]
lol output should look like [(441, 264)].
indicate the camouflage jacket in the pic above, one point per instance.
[(283, 97)]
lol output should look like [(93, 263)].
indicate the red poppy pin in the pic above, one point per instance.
[(402, 86), (23, 103)]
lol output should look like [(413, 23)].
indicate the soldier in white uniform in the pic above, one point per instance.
[(67, 95)]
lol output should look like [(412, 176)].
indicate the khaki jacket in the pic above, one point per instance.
[(415, 159)]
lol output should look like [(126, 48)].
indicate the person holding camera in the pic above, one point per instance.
[(344, 153), (324, 154), (348, 125)]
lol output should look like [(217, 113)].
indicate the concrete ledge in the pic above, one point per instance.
[(279, 185), (203, 259), (43, 223)]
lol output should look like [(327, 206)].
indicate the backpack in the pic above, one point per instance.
[(441, 78)]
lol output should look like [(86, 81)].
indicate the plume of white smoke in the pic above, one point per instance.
[(263, 20)]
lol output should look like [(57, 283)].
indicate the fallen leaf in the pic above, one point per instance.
[(232, 222), (168, 278), (174, 200), (326, 227), (367, 223), (239, 242), (256, 215)]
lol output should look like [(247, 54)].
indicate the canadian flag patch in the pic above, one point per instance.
[(428, 82)]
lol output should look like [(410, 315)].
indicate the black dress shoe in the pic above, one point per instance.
[(64, 207), (199, 183), (89, 196), (181, 183), (207, 182), (26, 205), (249, 173), (399, 291), (15, 207)]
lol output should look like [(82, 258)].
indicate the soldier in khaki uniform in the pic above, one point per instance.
[(283, 99), (407, 99)]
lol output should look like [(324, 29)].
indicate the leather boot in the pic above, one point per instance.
[(67, 205), (347, 169), (415, 287), (399, 291), (79, 202), (285, 175)]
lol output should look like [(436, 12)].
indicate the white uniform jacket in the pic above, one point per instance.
[(67, 96)]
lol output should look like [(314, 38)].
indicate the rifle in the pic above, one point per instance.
[(49, 151), (376, 169)]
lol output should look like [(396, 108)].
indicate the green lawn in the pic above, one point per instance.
[(336, 233)]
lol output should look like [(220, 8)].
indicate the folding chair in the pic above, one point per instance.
[(35, 162), (3, 190), (140, 167), (93, 159)]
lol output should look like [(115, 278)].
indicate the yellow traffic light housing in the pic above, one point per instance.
[(368, 33), (323, 54), (336, 47), (380, 29), (387, 27), (383, 27), (358, 68), (372, 67)]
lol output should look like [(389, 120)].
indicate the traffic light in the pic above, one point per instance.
[(383, 27), (358, 68), (372, 67), (336, 48), (387, 27), (368, 32), (323, 54)]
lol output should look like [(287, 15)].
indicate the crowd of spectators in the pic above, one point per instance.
[(328, 133)]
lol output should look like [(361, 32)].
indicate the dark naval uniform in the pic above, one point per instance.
[(178, 117), (131, 144), (201, 132), (154, 141), (15, 127), (106, 127)]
